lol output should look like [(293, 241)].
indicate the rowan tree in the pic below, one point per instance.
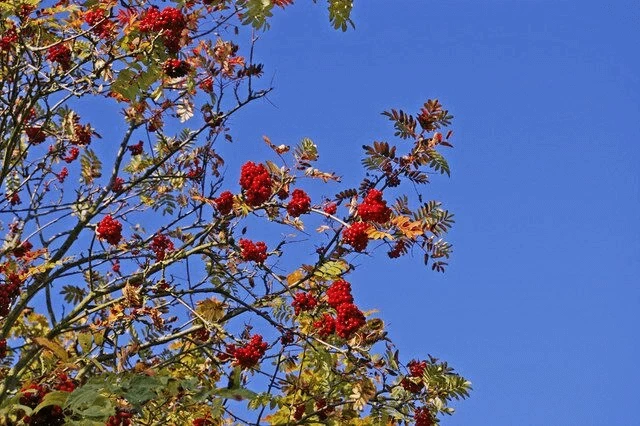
[(134, 288)]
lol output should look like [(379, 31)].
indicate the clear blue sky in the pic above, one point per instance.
[(540, 305)]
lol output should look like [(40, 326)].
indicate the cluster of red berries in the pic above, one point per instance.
[(303, 301), (349, 318), (9, 290), (35, 135), (8, 39), (160, 245), (22, 249), (96, 18), (339, 292), (330, 208), (169, 20), (121, 418), (224, 202), (117, 184), (325, 326), (256, 182), (64, 383), (202, 421), (136, 149), (3, 349), (62, 175), (61, 54), (300, 203), (250, 354), (373, 208), (423, 417), (109, 229), (416, 369), (250, 251), (72, 155), (33, 395), (175, 68), (356, 235)]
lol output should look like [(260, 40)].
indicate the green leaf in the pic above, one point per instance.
[(53, 398), (339, 14)]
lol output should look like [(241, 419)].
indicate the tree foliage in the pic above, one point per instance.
[(134, 288)]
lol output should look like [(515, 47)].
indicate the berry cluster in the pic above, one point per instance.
[(3, 349), (256, 182), (35, 134), (423, 417), (300, 203), (72, 155), (175, 68), (109, 229), (356, 235), (248, 355), (62, 175), (416, 369), (202, 421), (117, 184), (64, 383), (96, 18), (373, 208), (136, 149), (303, 301), (22, 249), (61, 54), (224, 202), (9, 290), (339, 292), (349, 320), (170, 21), (8, 39), (325, 326), (250, 251), (51, 415), (330, 208), (121, 418), (160, 245)]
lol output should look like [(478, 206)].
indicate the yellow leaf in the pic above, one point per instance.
[(211, 309), (54, 347), (409, 228), (295, 277), (374, 234)]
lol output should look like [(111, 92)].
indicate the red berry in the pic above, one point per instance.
[(373, 208), (160, 245), (330, 208), (326, 325), (423, 417), (224, 202), (176, 68), (61, 54), (256, 182), (338, 293), (249, 355), (300, 203), (109, 229), (255, 252), (356, 236), (303, 301), (350, 319)]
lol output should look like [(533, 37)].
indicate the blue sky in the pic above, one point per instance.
[(540, 305)]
